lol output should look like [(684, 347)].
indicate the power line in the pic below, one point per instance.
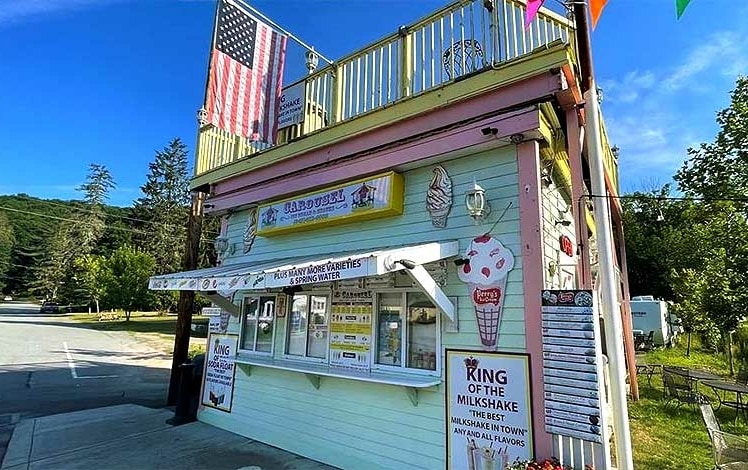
[(666, 198), (63, 219), (74, 207), (180, 237)]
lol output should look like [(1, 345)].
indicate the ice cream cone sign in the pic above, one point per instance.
[(485, 272)]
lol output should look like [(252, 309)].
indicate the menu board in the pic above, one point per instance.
[(572, 365), (351, 329)]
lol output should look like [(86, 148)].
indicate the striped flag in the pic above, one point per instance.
[(246, 69)]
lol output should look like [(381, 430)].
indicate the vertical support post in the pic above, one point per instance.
[(584, 273), (531, 234), (186, 302), (628, 327), (406, 62), (610, 308), (338, 84)]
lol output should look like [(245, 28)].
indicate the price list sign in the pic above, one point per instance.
[(571, 365), (351, 329)]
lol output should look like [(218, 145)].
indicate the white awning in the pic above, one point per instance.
[(290, 272)]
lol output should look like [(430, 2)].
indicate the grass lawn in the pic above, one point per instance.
[(157, 330), (665, 438)]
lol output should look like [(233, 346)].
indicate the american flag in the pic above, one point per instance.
[(246, 68)]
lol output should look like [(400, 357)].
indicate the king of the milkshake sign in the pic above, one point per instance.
[(489, 419)]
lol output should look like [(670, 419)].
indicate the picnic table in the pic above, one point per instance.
[(727, 388)]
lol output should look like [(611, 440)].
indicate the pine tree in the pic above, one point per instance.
[(95, 195), (165, 205)]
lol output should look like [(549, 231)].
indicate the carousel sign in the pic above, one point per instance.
[(364, 199)]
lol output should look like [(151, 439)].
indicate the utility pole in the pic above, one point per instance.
[(613, 322), (186, 303)]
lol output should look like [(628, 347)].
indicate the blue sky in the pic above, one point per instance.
[(111, 81)]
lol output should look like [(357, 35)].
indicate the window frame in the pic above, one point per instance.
[(286, 341), (437, 372), (242, 349)]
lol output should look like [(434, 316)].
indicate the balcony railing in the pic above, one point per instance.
[(462, 38)]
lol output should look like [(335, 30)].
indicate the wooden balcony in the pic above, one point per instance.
[(462, 39)]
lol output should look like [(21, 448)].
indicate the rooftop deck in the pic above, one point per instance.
[(464, 39)]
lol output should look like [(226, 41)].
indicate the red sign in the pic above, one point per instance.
[(566, 245), (487, 296)]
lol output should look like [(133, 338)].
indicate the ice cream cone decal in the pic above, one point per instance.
[(439, 197), (250, 231), (486, 270)]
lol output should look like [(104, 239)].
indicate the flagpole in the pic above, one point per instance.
[(608, 288), (282, 30), (210, 59)]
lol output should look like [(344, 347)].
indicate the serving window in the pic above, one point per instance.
[(390, 330), (407, 331), (308, 324), (258, 323)]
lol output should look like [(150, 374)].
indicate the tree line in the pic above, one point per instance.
[(690, 246), (88, 253)]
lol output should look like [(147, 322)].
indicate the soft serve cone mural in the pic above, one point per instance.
[(439, 197), (486, 270)]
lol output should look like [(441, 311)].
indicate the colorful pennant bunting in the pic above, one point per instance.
[(532, 11), (596, 8), (681, 6)]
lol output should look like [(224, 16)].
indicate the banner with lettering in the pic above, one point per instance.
[(364, 199), (218, 387), (489, 412)]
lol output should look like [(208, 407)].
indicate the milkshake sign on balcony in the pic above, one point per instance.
[(485, 272)]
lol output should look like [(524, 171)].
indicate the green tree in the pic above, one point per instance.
[(95, 194), (54, 270), (7, 240), (125, 279), (719, 169), (657, 241), (90, 270), (164, 208)]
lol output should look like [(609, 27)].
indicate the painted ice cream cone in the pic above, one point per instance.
[(489, 263), (439, 197), (488, 304)]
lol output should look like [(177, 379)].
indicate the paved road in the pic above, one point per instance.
[(50, 365)]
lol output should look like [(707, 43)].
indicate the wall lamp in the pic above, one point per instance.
[(565, 223), (489, 131), (477, 204), (221, 244)]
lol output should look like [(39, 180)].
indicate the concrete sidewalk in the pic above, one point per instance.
[(135, 437)]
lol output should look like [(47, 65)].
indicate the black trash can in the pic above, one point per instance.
[(184, 411)]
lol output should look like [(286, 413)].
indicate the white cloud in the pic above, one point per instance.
[(655, 115), (13, 11)]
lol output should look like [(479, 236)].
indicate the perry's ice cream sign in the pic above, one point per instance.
[(489, 263), (364, 199)]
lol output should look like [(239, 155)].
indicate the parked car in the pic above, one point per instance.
[(49, 307), (7, 298)]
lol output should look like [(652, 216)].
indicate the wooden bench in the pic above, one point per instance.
[(730, 451)]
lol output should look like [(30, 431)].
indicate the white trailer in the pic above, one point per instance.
[(649, 315)]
